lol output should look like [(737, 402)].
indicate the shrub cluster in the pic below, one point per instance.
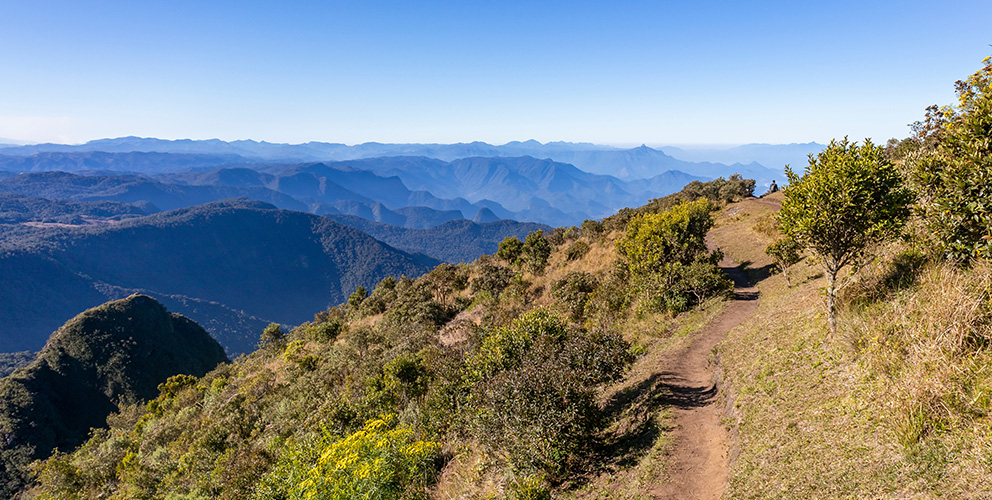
[(666, 257)]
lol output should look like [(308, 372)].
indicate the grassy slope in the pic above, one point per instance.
[(897, 406)]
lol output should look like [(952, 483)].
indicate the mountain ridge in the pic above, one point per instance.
[(103, 358)]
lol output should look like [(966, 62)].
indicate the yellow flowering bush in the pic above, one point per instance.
[(380, 461)]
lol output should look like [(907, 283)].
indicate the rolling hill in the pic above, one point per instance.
[(225, 264), (104, 358)]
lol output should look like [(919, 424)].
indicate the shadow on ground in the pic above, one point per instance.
[(634, 411)]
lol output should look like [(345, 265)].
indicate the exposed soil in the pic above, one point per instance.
[(699, 451)]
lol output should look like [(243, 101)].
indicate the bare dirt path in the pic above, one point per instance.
[(698, 467)]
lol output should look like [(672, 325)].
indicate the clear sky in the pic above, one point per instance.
[(610, 72)]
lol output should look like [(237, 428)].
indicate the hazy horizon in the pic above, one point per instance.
[(625, 73)]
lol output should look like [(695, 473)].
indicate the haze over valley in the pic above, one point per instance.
[(495, 250)]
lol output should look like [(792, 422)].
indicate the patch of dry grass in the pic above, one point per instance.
[(928, 348), (806, 422), (742, 233), (897, 406)]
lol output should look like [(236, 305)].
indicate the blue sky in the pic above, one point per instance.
[(664, 72)]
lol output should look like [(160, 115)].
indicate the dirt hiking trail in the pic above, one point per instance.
[(698, 461)]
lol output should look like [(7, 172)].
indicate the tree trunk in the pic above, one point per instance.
[(831, 300)]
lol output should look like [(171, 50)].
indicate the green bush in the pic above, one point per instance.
[(324, 332), (578, 250), (535, 395), (953, 171), (537, 249), (786, 252), (612, 298), (272, 334), (510, 249), (492, 279), (573, 291), (356, 297), (667, 260)]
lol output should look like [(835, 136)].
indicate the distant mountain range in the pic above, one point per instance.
[(414, 192), (232, 266), (633, 163), (775, 156)]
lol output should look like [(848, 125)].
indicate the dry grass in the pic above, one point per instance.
[(897, 406), (742, 232), (806, 425), (927, 347)]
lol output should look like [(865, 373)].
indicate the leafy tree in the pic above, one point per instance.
[(953, 172), (578, 250), (785, 252), (446, 280), (667, 258), (592, 228), (272, 333), (510, 249), (537, 249), (848, 199), (357, 297), (492, 279)]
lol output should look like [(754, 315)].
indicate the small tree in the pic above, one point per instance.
[(510, 249), (848, 199), (271, 335), (537, 249), (357, 297), (785, 252)]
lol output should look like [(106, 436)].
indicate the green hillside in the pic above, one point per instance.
[(105, 358), (428, 374)]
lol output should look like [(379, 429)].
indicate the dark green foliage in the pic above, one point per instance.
[(323, 330), (357, 297), (680, 286), (592, 228), (415, 303), (10, 361), (272, 334), (510, 249), (573, 292), (446, 280), (115, 354), (785, 252), (612, 298), (536, 395), (848, 200), (537, 250), (953, 170), (492, 279)]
